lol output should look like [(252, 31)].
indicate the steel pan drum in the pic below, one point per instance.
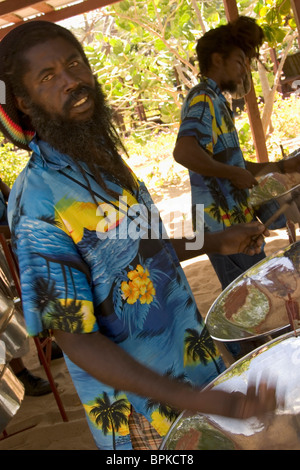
[(6, 309), (275, 185), (11, 395), (7, 285), (263, 301), (257, 199), (273, 191), (12, 329), (279, 358), (293, 211), (15, 337)]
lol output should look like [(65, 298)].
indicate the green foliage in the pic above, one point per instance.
[(285, 122), (12, 162), (154, 163), (276, 18), (144, 54), (136, 60), (146, 57)]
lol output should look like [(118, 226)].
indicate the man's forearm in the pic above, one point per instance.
[(261, 169), (212, 243), (4, 229), (188, 153), (180, 246), (241, 238), (109, 364), (285, 165)]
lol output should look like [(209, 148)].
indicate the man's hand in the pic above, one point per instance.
[(242, 178), (256, 402), (259, 400), (243, 238)]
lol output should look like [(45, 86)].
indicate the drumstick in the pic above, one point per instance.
[(276, 214), (273, 217), (280, 210)]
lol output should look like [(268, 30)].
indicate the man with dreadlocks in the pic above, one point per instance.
[(208, 144), (119, 306)]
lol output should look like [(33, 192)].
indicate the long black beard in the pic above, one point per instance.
[(229, 86), (94, 142)]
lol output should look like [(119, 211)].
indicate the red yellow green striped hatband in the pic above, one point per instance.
[(12, 124)]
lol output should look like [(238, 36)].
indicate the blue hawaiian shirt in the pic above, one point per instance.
[(207, 116), (85, 267)]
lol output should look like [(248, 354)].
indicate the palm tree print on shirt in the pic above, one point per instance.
[(219, 210), (200, 346), (59, 313), (164, 409), (110, 416)]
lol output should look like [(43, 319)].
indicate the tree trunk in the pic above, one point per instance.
[(199, 16), (266, 91), (268, 108)]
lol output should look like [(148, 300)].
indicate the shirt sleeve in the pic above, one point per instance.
[(55, 281), (198, 120)]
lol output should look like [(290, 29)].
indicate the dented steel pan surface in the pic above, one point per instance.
[(7, 285), (262, 301), (12, 328), (6, 309), (11, 395), (279, 359)]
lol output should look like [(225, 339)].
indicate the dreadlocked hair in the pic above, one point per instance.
[(243, 33), (249, 35)]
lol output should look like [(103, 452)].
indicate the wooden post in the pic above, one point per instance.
[(295, 4), (259, 139), (231, 9)]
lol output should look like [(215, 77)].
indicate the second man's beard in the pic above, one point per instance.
[(243, 88), (230, 86)]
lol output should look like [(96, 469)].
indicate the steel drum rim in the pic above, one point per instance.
[(13, 400), (209, 386), (250, 336), (274, 198), (254, 352), (288, 191)]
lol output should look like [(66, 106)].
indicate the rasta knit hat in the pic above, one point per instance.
[(14, 125)]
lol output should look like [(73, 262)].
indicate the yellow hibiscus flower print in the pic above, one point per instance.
[(139, 274), (148, 293), (130, 292), (139, 287)]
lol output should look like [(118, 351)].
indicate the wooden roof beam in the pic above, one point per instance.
[(66, 12), (43, 7), (11, 18), (15, 5)]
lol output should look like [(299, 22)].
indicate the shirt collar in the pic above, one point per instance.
[(52, 157), (58, 161), (214, 86)]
